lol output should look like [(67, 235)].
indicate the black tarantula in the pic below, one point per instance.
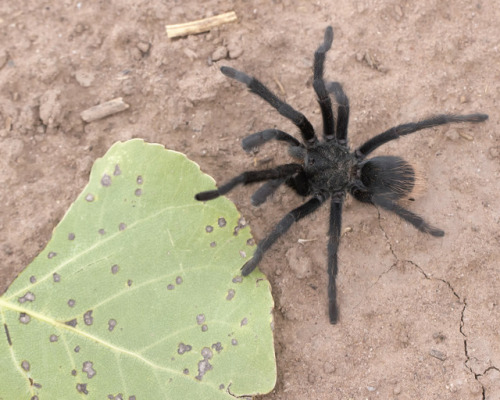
[(328, 168)]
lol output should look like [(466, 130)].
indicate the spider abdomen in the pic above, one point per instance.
[(388, 176)]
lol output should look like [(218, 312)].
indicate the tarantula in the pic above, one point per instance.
[(328, 168)]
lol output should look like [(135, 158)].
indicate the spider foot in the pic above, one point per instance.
[(435, 232), (208, 195), (249, 266), (333, 312)]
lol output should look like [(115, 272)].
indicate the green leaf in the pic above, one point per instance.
[(138, 293)]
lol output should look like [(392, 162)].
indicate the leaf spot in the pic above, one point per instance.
[(87, 368), (71, 236), (217, 347), (170, 287), (25, 365), (234, 342), (178, 280), (204, 328), (82, 388), (117, 170), (250, 242), (71, 303), (213, 244), (184, 348), (24, 318), (27, 297), (53, 338), (206, 353), (209, 228), (139, 180), (106, 180), (129, 282), (111, 324), (243, 254), (230, 294), (221, 386), (203, 367), (244, 321), (32, 279), (186, 371), (222, 222), (238, 279), (138, 192), (89, 197), (101, 231), (114, 269), (241, 225), (73, 372), (51, 254), (77, 349), (87, 318), (200, 318), (72, 322), (57, 277), (122, 226)]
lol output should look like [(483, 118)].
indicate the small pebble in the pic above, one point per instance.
[(494, 152), (438, 354), (219, 53), (328, 367), (143, 47)]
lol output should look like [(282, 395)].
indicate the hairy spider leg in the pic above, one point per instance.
[(280, 229), (416, 220), (249, 177), (259, 138), (333, 245), (255, 86), (342, 111), (267, 189), (405, 129), (324, 100), (298, 182)]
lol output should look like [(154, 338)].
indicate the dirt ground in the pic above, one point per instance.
[(420, 316)]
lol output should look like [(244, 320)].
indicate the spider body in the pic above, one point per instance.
[(327, 168)]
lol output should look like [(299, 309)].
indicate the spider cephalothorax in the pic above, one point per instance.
[(328, 169)]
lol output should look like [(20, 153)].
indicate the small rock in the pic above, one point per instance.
[(84, 78), (452, 134), (438, 354), (50, 108), (328, 367), (494, 152), (219, 53), (143, 47), (235, 50)]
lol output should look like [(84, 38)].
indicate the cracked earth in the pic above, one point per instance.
[(419, 316), (460, 323)]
